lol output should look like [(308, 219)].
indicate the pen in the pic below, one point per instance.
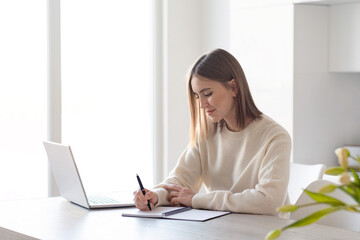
[(142, 190)]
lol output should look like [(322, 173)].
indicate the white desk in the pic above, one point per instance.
[(56, 218)]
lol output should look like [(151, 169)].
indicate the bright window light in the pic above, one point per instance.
[(106, 48), (23, 92)]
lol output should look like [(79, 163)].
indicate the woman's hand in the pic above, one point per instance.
[(179, 195), (141, 201)]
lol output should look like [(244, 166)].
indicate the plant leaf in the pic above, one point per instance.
[(348, 190), (327, 188), (287, 208), (273, 234), (356, 177), (356, 193), (335, 171), (312, 217), (351, 209), (322, 198), (352, 190)]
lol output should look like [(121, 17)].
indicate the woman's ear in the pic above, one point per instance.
[(233, 87)]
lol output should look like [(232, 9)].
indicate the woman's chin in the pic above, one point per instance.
[(214, 119)]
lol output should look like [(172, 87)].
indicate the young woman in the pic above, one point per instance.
[(240, 155)]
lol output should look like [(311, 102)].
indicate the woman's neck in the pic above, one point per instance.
[(234, 127)]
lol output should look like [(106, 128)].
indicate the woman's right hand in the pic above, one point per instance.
[(141, 201)]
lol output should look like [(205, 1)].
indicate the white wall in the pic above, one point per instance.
[(215, 25), (191, 28), (262, 41), (181, 48), (344, 36), (326, 109), (283, 50), (194, 27)]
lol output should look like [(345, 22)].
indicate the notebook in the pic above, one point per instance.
[(176, 213), (68, 181)]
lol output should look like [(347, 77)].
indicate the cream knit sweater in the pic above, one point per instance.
[(245, 172)]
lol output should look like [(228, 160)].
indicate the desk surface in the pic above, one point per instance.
[(56, 218)]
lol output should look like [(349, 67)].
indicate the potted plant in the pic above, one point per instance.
[(348, 185)]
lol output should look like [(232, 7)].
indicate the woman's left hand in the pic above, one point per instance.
[(179, 195)]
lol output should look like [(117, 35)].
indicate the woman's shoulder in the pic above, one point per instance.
[(265, 125)]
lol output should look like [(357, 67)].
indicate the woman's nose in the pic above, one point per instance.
[(203, 102)]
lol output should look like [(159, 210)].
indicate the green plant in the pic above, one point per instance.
[(348, 185)]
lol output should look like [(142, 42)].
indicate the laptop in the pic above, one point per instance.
[(66, 174)]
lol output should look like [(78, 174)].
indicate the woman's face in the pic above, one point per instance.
[(217, 100)]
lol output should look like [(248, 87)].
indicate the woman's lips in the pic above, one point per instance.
[(210, 112)]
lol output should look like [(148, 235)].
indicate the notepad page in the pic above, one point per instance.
[(197, 215), (154, 213), (190, 215)]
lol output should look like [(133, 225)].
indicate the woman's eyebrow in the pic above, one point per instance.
[(204, 89)]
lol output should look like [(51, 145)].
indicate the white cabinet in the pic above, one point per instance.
[(344, 38)]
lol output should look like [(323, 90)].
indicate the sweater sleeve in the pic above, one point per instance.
[(186, 173), (270, 191)]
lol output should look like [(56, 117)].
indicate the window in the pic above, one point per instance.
[(23, 46), (106, 61), (106, 58)]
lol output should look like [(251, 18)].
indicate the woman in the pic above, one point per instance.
[(239, 154)]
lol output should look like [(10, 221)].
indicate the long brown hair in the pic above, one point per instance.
[(219, 65)]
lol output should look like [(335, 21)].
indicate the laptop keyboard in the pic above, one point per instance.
[(100, 200)]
